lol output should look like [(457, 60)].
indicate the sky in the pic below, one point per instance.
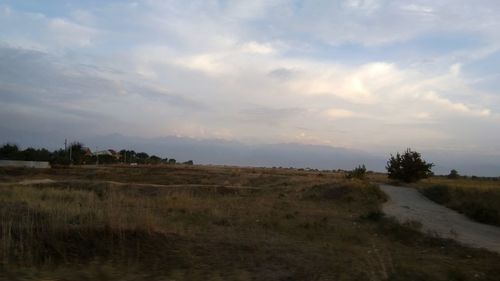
[(371, 75)]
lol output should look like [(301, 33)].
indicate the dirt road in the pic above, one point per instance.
[(408, 204)]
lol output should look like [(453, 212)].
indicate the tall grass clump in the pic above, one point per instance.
[(52, 224), (480, 204)]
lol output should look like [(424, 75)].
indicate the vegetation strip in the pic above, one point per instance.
[(292, 225)]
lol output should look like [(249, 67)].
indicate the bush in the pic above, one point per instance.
[(358, 173), (408, 167), (438, 193), (480, 212), (453, 174)]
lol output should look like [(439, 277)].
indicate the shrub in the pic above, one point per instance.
[(408, 167), (453, 174), (358, 173), (438, 193), (480, 212)]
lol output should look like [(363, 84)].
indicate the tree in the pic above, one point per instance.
[(453, 174), (142, 157), (59, 157), (32, 154), (128, 156), (408, 167), (153, 159), (9, 151), (77, 153)]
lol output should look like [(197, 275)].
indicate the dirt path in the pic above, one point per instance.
[(408, 204), (136, 184)]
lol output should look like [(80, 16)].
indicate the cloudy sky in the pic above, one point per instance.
[(373, 75)]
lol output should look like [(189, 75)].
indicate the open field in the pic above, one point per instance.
[(214, 223), (479, 199)]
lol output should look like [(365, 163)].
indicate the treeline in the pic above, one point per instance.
[(77, 154)]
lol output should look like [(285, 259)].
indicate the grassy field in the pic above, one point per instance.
[(476, 198), (214, 223)]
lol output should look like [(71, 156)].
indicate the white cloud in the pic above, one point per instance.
[(424, 10), (250, 9), (37, 31), (455, 69), (207, 63), (238, 55), (65, 33), (339, 113), (366, 5), (257, 48), (423, 115), (449, 105), (360, 85)]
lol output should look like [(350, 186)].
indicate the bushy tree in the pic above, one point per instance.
[(59, 157), (153, 159), (453, 174), (32, 154), (128, 156), (358, 173), (142, 157), (408, 167), (77, 153), (9, 151)]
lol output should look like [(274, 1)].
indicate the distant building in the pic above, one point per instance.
[(87, 151), (102, 152), (114, 153), (110, 152)]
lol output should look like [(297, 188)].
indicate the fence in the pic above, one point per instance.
[(24, 164)]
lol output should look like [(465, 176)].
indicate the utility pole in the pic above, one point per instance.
[(65, 144), (70, 152), (96, 156)]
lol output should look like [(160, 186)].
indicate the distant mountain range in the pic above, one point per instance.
[(223, 152), (212, 151)]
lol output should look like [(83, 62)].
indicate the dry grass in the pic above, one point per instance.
[(476, 198), (469, 183), (214, 223)]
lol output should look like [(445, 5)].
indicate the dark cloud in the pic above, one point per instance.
[(171, 99), (281, 74), (45, 95)]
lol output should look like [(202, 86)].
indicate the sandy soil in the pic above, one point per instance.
[(407, 204), (28, 182)]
